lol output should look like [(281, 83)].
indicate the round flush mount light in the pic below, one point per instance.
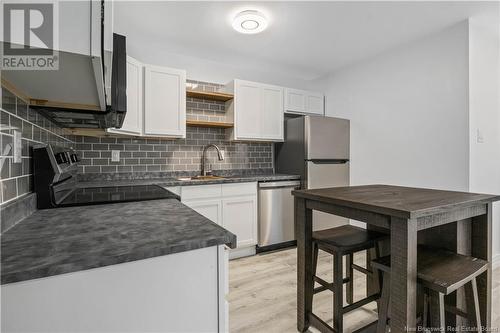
[(249, 22)]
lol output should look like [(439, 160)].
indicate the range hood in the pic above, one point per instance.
[(88, 89)]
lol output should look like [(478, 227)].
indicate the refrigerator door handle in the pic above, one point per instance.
[(328, 161)]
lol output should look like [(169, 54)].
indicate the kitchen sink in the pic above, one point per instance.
[(211, 177)]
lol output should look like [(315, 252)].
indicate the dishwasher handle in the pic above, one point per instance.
[(292, 183)]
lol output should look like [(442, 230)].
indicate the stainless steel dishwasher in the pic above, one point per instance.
[(276, 225)]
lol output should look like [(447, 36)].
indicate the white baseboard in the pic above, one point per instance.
[(242, 252), (496, 261)]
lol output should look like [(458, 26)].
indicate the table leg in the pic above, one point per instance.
[(403, 274), (303, 232), (481, 248), (372, 282)]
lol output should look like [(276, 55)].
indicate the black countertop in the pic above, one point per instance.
[(64, 240), (171, 181)]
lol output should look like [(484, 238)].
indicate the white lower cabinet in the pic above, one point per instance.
[(160, 294), (211, 209), (233, 206), (239, 218)]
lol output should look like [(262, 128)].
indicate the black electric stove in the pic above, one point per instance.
[(56, 183)]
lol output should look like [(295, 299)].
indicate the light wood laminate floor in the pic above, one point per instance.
[(262, 294)]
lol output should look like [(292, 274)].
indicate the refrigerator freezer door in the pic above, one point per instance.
[(326, 138), (321, 175)]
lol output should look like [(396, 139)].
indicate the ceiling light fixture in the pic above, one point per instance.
[(249, 22)]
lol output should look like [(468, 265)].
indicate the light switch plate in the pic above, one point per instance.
[(115, 156), (17, 149), (480, 136)]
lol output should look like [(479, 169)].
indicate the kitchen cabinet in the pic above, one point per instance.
[(257, 111), (164, 102), (239, 218), (132, 123), (233, 206), (304, 102), (160, 294), (156, 101), (211, 208)]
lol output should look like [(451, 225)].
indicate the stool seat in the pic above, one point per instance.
[(347, 238), (440, 270), (343, 241)]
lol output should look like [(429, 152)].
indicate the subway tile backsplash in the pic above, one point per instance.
[(16, 178), (136, 154), (153, 155), (147, 155)]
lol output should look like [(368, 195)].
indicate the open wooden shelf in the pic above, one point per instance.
[(211, 95), (198, 123)]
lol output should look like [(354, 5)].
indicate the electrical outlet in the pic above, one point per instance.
[(17, 147), (115, 156)]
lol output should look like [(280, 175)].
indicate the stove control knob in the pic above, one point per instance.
[(61, 158), (74, 158)]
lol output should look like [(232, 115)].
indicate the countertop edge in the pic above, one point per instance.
[(27, 275)]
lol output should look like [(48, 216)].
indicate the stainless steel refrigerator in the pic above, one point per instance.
[(316, 148)]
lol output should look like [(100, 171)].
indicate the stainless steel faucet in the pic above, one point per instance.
[(219, 154)]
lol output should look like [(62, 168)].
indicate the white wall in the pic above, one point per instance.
[(484, 113), (408, 112), (415, 112)]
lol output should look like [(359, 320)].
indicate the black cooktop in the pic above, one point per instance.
[(111, 194)]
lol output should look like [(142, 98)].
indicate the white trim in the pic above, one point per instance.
[(496, 261), (242, 252)]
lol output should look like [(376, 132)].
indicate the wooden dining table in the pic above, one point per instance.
[(457, 221)]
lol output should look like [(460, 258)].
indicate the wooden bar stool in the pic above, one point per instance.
[(344, 240), (440, 272)]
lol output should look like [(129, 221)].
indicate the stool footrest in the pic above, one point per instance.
[(320, 324), (326, 285), (360, 303), (361, 269), (455, 311)]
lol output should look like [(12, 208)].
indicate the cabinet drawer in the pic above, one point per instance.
[(239, 189), (201, 191)]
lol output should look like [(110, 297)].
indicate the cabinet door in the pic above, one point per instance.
[(271, 113), (165, 101), (295, 100), (315, 103), (239, 215), (247, 97), (211, 209), (132, 124)]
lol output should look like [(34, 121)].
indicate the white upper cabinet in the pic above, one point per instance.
[(304, 102), (156, 101), (132, 124), (257, 111), (271, 116), (164, 102)]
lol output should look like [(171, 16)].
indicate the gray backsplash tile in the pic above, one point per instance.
[(153, 154), (145, 156), (15, 178)]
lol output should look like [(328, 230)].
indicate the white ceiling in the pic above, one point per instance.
[(306, 39)]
